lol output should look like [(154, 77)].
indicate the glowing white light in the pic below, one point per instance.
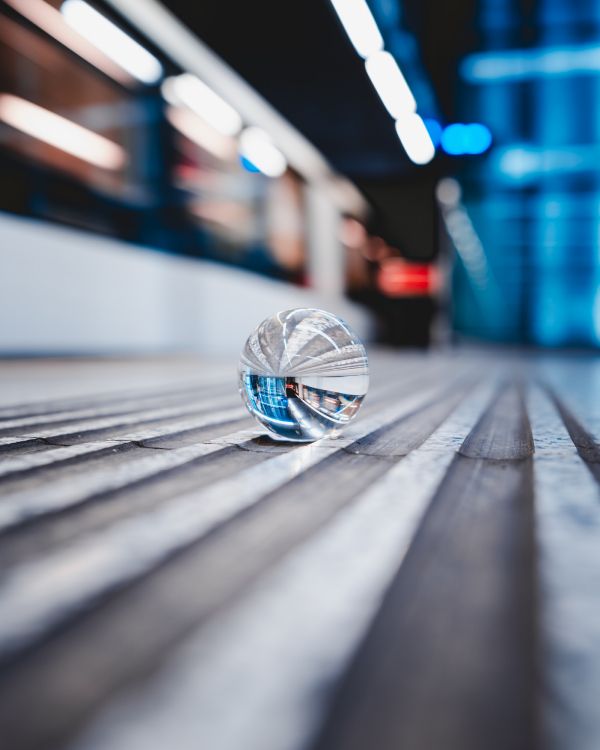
[(61, 133), (50, 20), (190, 91), (390, 84), (415, 138), (257, 148), (112, 41), (359, 24)]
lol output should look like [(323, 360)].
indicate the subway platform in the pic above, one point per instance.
[(173, 578)]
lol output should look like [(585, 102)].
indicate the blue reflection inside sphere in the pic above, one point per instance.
[(303, 374)]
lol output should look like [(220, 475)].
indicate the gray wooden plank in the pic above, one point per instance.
[(54, 487), (108, 427), (168, 434), (448, 661), (24, 502), (32, 384), (62, 417), (141, 425), (41, 593), (55, 459), (130, 499), (504, 432), (273, 655), (21, 445), (403, 436), (587, 446), (207, 418), (98, 401), (567, 525), (179, 438), (192, 586), (53, 531)]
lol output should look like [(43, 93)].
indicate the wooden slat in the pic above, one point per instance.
[(36, 496), (587, 446), (457, 623), (399, 438), (21, 504), (57, 530), (74, 431), (98, 401), (112, 409), (24, 467), (21, 444), (276, 652), (197, 584), (504, 433), (69, 578), (173, 577), (68, 462), (567, 524)]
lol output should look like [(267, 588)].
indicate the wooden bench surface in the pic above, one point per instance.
[(429, 579)]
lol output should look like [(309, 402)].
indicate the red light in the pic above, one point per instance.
[(398, 278)]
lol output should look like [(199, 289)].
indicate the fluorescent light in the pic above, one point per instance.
[(257, 148), (196, 129), (61, 133), (50, 20), (112, 41), (390, 84), (415, 139), (526, 64), (359, 24), (190, 91)]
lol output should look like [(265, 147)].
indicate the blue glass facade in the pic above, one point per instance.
[(534, 200)]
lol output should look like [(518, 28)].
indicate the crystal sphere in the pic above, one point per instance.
[(303, 374)]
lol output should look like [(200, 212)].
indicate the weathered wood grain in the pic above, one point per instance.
[(587, 447), (402, 436), (504, 432), (198, 583), (120, 408), (279, 650), (567, 524), (112, 427), (97, 402), (457, 623), (53, 531), (164, 564), (103, 562)]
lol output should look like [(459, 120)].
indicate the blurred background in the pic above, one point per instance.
[(171, 173)]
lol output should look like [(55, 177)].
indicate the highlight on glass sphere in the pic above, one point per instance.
[(303, 374)]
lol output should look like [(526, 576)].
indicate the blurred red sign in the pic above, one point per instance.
[(399, 278)]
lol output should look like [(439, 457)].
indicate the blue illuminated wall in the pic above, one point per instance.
[(535, 199)]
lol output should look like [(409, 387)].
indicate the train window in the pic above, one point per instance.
[(85, 127), (249, 219), (78, 145)]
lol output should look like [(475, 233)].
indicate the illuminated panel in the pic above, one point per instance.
[(61, 133)]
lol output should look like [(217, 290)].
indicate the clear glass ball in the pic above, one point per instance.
[(303, 374)]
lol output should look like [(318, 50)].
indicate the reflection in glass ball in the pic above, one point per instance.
[(303, 374)]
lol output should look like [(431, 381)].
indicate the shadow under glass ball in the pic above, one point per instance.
[(303, 374)]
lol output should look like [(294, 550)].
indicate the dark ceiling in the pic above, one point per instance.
[(297, 55)]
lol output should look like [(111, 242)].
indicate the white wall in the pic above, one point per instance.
[(67, 291)]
